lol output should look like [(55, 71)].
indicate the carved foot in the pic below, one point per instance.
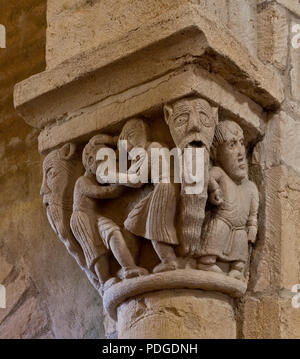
[(209, 267), (165, 267), (132, 272), (235, 274)]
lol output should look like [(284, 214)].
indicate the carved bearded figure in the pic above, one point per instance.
[(233, 220), (192, 123), (60, 171)]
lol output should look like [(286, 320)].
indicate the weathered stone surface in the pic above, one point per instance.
[(294, 72), (273, 35), (189, 278), (260, 318), (25, 238), (76, 98), (5, 269), (14, 292), (271, 317), (292, 5), (281, 143), (140, 58), (89, 23), (26, 323), (180, 314), (242, 22), (146, 99), (276, 262)]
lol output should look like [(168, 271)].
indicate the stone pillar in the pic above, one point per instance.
[(170, 67), (178, 314)]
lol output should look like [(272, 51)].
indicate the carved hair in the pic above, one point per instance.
[(134, 124), (223, 133)]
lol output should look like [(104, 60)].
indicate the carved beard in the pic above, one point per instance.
[(191, 217), (55, 216)]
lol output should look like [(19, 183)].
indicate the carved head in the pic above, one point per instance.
[(192, 122), (136, 132), (90, 152), (228, 150), (59, 176)]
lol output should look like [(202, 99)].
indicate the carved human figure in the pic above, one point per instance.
[(153, 217), (192, 123), (60, 171), (96, 233), (232, 223)]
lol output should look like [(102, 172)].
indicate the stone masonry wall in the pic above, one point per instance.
[(47, 295)]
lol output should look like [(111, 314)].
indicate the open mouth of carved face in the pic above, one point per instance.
[(195, 144)]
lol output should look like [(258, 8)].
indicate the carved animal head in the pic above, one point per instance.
[(192, 122), (228, 150)]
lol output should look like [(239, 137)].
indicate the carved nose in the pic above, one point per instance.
[(193, 122), (44, 189)]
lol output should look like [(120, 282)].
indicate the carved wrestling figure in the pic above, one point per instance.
[(233, 221), (192, 123), (88, 224), (153, 217)]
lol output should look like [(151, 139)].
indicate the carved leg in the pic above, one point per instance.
[(124, 257), (208, 263), (236, 270), (102, 269), (166, 254)]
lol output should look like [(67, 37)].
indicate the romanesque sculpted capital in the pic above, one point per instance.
[(132, 234)]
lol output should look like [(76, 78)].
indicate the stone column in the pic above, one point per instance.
[(178, 314), (144, 61)]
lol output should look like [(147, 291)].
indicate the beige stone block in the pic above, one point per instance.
[(260, 318), (292, 5), (14, 292), (290, 244), (25, 323), (273, 35), (147, 99), (217, 7), (265, 263), (177, 314), (76, 25), (242, 22), (5, 269), (289, 317), (281, 143), (270, 317), (294, 72), (275, 262)]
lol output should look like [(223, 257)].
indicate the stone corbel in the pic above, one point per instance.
[(87, 100)]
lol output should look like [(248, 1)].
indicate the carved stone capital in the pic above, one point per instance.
[(182, 87)]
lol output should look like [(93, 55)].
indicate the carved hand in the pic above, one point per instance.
[(215, 197), (252, 232)]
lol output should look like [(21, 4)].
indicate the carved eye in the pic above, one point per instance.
[(205, 120), (50, 173), (181, 120), (232, 143)]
